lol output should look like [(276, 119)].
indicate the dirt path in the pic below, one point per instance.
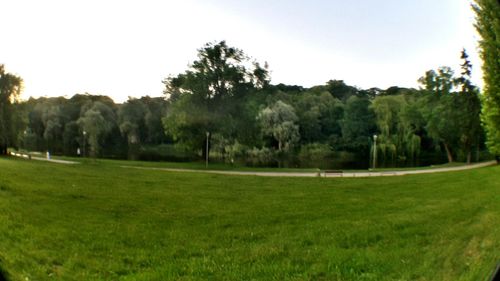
[(322, 174)]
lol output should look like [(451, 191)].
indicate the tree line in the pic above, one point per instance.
[(225, 99), (224, 106)]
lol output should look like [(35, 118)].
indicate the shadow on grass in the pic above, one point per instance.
[(3, 275), (496, 274)]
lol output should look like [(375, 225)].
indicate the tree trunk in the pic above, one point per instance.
[(3, 150), (448, 153), (468, 151), (477, 152), (206, 149)]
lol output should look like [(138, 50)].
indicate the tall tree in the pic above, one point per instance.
[(132, 124), (209, 94), (10, 88), (488, 26), (470, 105), (441, 110)]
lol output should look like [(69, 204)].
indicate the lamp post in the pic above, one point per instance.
[(84, 139), (206, 151), (374, 151)]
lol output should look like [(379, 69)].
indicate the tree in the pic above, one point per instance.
[(97, 121), (358, 125), (132, 124), (399, 123), (319, 116), (54, 126), (10, 89), (412, 126), (441, 109), (279, 121), (340, 90), (470, 105), (387, 110), (208, 96), (156, 108), (488, 27)]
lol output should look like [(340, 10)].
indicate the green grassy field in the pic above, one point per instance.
[(97, 221)]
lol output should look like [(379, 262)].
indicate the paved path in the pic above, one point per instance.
[(322, 174), (55, 160), (291, 174)]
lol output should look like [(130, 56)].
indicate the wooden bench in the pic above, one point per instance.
[(333, 172)]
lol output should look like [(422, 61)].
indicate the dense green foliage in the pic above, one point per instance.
[(10, 87), (224, 104), (82, 222), (452, 117), (93, 125), (488, 26), (210, 95)]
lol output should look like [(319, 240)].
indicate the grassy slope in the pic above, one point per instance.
[(101, 222)]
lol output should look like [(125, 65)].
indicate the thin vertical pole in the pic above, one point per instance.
[(206, 152)]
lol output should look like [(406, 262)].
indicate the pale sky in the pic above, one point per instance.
[(126, 48)]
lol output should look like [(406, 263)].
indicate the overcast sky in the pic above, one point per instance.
[(126, 48)]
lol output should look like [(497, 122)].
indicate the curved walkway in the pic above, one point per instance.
[(26, 156), (322, 173), (292, 174)]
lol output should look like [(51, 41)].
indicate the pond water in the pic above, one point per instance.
[(347, 161)]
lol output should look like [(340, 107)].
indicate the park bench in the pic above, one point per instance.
[(333, 172)]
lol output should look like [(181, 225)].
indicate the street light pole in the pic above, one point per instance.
[(84, 139), (206, 152), (374, 151)]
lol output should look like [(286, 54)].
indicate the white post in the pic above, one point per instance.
[(374, 151)]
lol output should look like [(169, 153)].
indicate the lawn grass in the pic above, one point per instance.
[(98, 221)]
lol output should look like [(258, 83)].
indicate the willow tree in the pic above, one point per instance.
[(488, 27), (10, 88), (280, 121), (387, 110), (97, 121)]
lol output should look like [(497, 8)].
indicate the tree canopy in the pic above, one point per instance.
[(209, 95), (10, 89), (224, 99), (488, 27)]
